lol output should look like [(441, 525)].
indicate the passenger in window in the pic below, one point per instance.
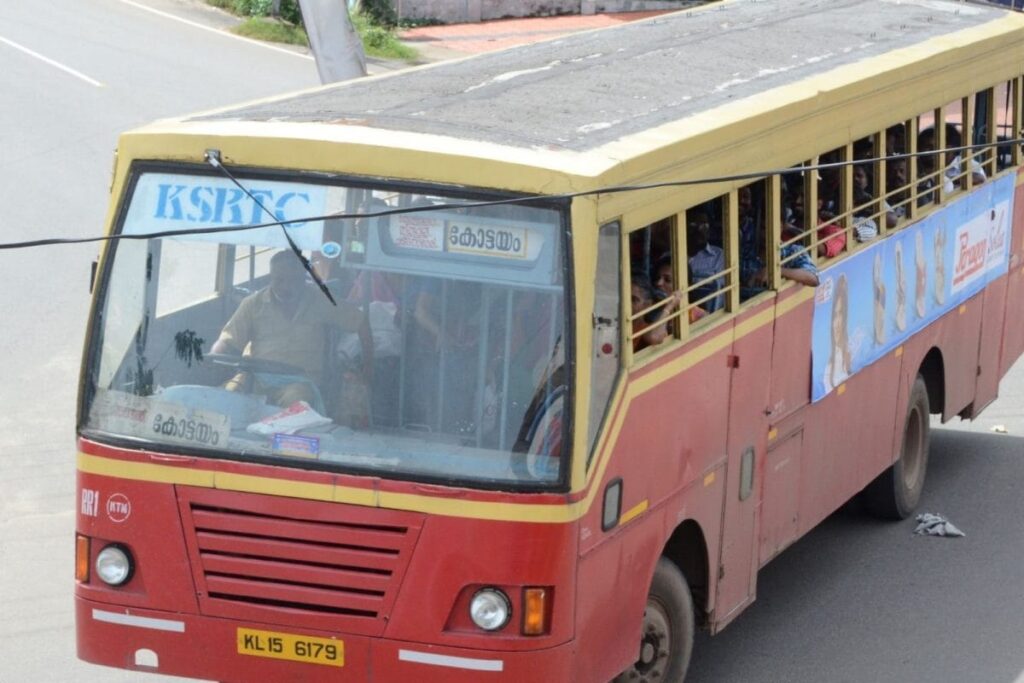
[(895, 140), (926, 170), (379, 294), (864, 226), (895, 189), (797, 265), (445, 319), (706, 260), (287, 322), (751, 262), (643, 296), (664, 282), (954, 165), (829, 186)]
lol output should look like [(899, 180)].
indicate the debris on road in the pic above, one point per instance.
[(999, 429), (935, 525)]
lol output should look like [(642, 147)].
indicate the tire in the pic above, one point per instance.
[(666, 638), (895, 493)]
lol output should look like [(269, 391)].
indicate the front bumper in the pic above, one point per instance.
[(209, 648)]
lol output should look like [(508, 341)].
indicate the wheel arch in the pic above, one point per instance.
[(933, 370), (688, 550)]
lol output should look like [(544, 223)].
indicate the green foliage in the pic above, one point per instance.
[(380, 12), (271, 30), (289, 10), (380, 41), (374, 22)]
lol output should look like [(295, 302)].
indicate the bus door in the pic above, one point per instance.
[(745, 445)]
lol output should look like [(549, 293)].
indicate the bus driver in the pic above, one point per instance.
[(290, 322)]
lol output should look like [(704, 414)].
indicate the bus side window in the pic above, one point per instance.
[(1005, 112), (981, 158), (866, 212), (605, 345), (654, 297), (896, 199), (832, 218), (752, 217), (706, 262)]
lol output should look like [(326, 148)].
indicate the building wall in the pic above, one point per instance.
[(463, 11)]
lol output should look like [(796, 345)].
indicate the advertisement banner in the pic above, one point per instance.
[(873, 301)]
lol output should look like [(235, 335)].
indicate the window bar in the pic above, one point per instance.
[(406, 323), (911, 139), (481, 377), (878, 183), (731, 236), (845, 217), (443, 348), (505, 395), (811, 208), (967, 138), (1016, 120), (774, 230)]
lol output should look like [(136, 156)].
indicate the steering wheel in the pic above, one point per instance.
[(253, 364)]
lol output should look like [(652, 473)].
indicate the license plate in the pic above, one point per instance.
[(296, 648)]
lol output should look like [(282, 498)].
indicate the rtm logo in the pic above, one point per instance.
[(220, 205), (119, 508)]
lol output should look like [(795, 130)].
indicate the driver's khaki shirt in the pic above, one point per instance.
[(263, 328)]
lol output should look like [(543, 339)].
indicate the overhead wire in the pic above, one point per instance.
[(527, 199)]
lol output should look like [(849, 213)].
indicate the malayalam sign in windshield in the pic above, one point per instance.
[(173, 201), (872, 302)]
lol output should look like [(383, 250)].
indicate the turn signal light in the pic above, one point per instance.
[(81, 558), (535, 611)]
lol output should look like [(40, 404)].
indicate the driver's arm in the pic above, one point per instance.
[(238, 331), (223, 345)]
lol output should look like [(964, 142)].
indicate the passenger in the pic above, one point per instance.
[(895, 140), (751, 261), (705, 260), (644, 296), (443, 332), (379, 293), (831, 240), (288, 322), (664, 282), (954, 165), (927, 173), (797, 265), (895, 190), (865, 228)]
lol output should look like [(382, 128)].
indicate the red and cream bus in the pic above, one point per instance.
[(613, 320)]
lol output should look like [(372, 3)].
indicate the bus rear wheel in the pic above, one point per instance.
[(666, 638), (894, 494)]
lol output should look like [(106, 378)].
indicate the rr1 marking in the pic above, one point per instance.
[(90, 502)]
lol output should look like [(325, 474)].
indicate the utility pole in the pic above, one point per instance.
[(335, 43)]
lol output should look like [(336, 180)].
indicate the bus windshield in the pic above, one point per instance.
[(442, 358)]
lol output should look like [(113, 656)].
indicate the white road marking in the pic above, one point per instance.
[(65, 69), (453, 662), (193, 24)]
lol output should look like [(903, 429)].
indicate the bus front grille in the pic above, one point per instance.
[(281, 560)]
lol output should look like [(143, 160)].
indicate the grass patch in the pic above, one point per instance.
[(378, 41), (271, 30), (381, 42)]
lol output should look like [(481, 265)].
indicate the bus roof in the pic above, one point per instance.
[(567, 94)]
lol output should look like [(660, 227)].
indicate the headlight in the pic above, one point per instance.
[(114, 565), (490, 609)]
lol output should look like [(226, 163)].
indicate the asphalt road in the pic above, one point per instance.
[(856, 600), (74, 74)]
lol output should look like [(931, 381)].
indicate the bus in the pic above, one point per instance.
[(521, 366)]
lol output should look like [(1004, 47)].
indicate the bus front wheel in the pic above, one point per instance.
[(896, 492), (666, 638)]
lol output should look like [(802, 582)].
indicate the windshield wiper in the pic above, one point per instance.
[(213, 158)]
